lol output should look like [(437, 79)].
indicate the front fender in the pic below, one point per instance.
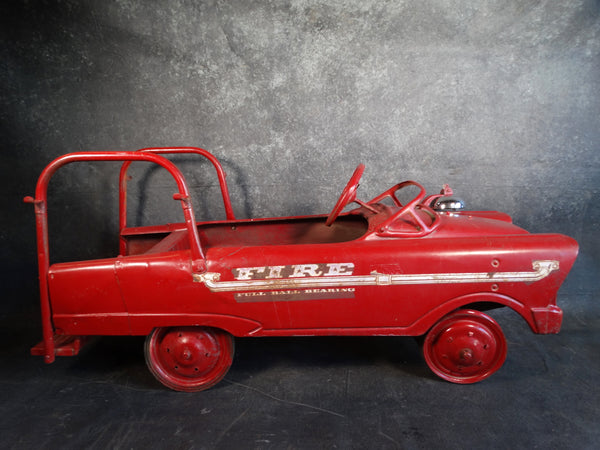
[(540, 320)]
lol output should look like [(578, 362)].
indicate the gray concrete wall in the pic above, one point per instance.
[(498, 98)]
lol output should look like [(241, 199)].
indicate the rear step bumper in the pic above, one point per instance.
[(64, 345)]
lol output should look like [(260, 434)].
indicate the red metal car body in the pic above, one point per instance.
[(386, 268)]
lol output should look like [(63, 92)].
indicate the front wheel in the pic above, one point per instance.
[(189, 358), (465, 347)]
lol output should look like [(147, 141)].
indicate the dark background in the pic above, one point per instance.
[(500, 99)]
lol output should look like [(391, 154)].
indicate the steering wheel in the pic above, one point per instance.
[(348, 195)]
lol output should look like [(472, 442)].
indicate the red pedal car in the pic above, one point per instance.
[(391, 267)]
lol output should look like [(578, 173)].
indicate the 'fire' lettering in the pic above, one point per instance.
[(306, 270), (275, 271), (293, 271), (339, 269), (246, 273)]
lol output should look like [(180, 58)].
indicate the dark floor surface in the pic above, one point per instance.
[(309, 393)]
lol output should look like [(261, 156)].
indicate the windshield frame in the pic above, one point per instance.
[(415, 212)]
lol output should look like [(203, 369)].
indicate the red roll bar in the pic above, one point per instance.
[(164, 150), (40, 202)]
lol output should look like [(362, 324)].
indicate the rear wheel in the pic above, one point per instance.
[(189, 358), (465, 346)]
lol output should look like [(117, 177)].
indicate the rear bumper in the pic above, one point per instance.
[(64, 345)]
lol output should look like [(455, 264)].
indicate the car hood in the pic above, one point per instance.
[(489, 223)]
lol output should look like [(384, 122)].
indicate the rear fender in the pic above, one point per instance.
[(143, 324)]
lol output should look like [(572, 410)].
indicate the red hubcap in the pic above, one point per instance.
[(465, 347), (188, 353)]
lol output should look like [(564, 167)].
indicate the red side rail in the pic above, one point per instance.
[(41, 200), (169, 150)]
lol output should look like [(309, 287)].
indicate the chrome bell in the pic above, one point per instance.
[(449, 204)]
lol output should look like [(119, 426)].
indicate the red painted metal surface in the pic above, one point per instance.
[(385, 268)]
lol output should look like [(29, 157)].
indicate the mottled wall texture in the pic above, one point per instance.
[(501, 99)]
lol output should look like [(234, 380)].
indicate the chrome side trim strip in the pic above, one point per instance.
[(541, 269)]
